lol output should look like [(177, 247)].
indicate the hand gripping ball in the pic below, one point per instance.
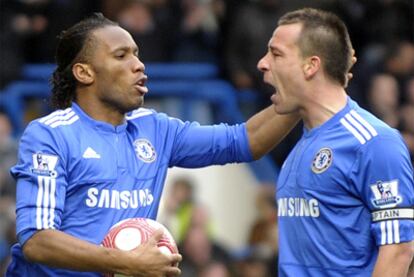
[(128, 234)]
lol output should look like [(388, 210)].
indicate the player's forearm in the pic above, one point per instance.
[(394, 260), (267, 128), (57, 249), (411, 269)]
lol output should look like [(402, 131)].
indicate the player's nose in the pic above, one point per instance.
[(138, 65), (263, 65)]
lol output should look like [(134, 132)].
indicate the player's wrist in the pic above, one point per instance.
[(118, 261)]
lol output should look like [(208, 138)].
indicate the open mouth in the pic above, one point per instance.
[(140, 85), (275, 94), (273, 88)]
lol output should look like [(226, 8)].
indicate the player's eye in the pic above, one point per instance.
[(120, 55)]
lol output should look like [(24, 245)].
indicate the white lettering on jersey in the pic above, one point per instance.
[(295, 206), (104, 199), (92, 197), (115, 199), (395, 213)]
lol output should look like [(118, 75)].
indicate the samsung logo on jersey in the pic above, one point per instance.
[(298, 207), (115, 199)]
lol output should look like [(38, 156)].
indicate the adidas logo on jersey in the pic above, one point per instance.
[(90, 154)]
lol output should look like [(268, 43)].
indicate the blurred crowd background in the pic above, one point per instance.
[(232, 34)]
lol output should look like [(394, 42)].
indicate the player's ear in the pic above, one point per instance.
[(83, 73), (311, 66)]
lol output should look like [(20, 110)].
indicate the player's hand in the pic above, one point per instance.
[(147, 260), (349, 75)]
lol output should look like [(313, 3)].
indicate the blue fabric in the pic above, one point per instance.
[(328, 188), (81, 176)]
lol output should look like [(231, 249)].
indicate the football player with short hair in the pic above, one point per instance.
[(345, 193)]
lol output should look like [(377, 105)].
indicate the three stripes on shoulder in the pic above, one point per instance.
[(68, 116), (139, 113), (358, 126), (59, 118)]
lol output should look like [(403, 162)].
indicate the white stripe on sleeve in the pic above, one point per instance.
[(396, 231), (52, 202), (383, 233), (39, 203), (46, 199), (389, 232)]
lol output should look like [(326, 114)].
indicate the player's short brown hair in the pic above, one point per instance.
[(324, 35)]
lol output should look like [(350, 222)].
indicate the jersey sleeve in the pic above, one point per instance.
[(41, 182), (383, 177), (196, 146)]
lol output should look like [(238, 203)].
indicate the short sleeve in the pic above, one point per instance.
[(383, 177), (195, 145), (41, 182)]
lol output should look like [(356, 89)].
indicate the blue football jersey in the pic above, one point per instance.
[(345, 189), (81, 176)]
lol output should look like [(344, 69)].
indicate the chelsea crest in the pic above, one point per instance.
[(322, 160), (144, 150)]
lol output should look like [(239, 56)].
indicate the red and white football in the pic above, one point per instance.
[(129, 233)]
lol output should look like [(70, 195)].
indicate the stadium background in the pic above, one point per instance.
[(201, 60)]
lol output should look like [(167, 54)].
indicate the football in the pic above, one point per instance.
[(130, 233)]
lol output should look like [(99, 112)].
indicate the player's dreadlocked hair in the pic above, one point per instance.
[(74, 45)]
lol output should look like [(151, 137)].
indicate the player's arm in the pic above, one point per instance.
[(197, 146), (57, 249), (411, 269), (394, 260), (40, 202), (386, 185), (266, 129)]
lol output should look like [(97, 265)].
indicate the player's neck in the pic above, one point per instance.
[(322, 104), (101, 112)]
